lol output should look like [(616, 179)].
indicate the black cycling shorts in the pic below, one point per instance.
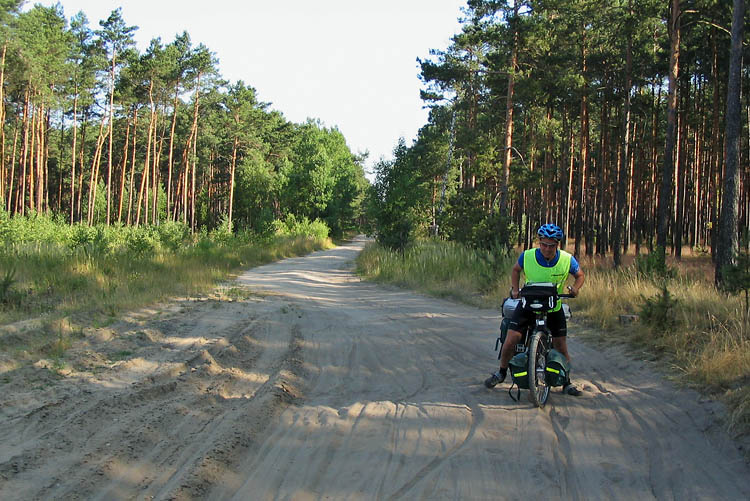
[(556, 322)]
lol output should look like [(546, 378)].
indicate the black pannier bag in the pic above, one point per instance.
[(557, 371), (518, 368)]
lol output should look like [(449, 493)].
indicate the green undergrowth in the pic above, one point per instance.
[(682, 318), (56, 279), (438, 268)]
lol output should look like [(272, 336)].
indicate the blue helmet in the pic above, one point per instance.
[(550, 231)]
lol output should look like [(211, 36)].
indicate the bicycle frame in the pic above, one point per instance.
[(538, 339)]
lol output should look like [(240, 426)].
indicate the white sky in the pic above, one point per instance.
[(351, 64)]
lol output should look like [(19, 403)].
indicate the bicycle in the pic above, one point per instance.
[(536, 342)]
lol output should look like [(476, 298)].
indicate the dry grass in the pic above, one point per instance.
[(56, 292)]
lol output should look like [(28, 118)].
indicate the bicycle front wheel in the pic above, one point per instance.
[(537, 366)]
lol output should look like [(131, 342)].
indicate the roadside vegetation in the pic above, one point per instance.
[(682, 319), (57, 279)]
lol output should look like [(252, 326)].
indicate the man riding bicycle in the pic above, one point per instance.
[(546, 263)]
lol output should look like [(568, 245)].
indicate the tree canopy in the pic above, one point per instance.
[(558, 111), (98, 132)]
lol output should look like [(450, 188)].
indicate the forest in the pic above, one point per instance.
[(622, 121), (96, 132)]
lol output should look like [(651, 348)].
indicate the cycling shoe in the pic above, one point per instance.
[(495, 379), (569, 389)]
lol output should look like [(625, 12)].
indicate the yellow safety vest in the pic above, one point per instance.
[(557, 274)]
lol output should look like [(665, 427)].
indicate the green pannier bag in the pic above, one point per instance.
[(518, 367), (557, 372)]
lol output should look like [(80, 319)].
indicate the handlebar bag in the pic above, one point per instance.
[(539, 296)]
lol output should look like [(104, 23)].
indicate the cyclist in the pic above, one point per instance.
[(545, 263)]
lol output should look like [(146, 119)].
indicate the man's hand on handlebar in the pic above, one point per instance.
[(573, 290)]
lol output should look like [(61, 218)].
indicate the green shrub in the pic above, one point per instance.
[(140, 243), (173, 234), (659, 311), (223, 233), (736, 277), (293, 227), (6, 285), (654, 265), (81, 238)]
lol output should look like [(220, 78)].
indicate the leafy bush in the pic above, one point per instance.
[(223, 233), (81, 238), (140, 243), (396, 235), (173, 234), (293, 227), (97, 241)]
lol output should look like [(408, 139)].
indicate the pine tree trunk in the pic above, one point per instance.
[(81, 163), (667, 181), (111, 126), (32, 155), (681, 177), (94, 180), (728, 242), (583, 171), (9, 205), (123, 171), (21, 197), (40, 171), (170, 161), (158, 143), (195, 148), (231, 179), (132, 167), (143, 191), (623, 177), (73, 155), (715, 162), (3, 170), (508, 153), (571, 172)]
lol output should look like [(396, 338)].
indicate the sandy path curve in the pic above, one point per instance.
[(320, 386)]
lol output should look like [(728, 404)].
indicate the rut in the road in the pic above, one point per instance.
[(172, 432)]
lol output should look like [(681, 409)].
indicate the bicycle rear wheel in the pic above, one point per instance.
[(537, 365)]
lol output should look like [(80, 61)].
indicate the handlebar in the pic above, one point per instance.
[(559, 296)]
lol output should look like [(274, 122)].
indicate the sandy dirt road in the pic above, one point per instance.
[(301, 382)]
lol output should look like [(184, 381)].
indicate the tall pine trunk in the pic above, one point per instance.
[(665, 191), (111, 126), (2, 125), (507, 153), (583, 171), (727, 242), (170, 160), (623, 176), (123, 171), (73, 155)]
